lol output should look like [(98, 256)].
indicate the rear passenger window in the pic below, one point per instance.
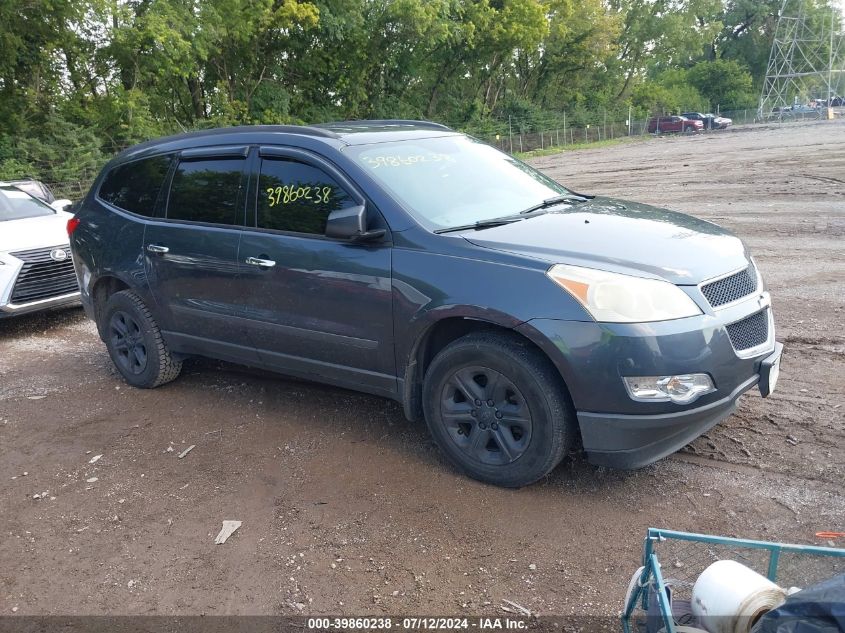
[(297, 197), (134, 186), (207, 191)]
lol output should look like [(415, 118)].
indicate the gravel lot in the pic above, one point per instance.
[(349, 509)]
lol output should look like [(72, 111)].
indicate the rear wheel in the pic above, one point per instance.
[(134, 342), (496, 407)]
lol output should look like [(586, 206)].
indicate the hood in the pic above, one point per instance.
[(625, 237), (45, 230)]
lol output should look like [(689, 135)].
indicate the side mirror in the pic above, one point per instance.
[(351, 224), (61, 205)]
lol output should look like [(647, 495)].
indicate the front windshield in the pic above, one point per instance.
[(454, 181), (17, 205)]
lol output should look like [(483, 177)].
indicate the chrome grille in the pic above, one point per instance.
[(730, 288), (42, 277), (750, 332)]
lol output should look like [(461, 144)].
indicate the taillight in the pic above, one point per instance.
[(71, 225)]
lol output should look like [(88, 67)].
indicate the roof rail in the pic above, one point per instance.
[(310, 130), (384, 122), (307, 130)]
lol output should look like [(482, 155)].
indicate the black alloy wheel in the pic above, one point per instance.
[(498, 409), (486, 415), (127, 340), (135, 342)]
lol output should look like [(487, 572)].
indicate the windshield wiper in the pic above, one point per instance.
[(550, 202), (516, 217), (483, 224)]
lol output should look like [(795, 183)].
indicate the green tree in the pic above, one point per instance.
[(82, 79), (722, 82), (660, 34), (570, 64)]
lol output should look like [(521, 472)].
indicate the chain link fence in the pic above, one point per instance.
[(557, 132), (526, 134), (73, 190)]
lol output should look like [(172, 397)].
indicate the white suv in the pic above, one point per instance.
[(36, 270)]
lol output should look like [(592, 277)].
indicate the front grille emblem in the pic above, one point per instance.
[(58, 254)]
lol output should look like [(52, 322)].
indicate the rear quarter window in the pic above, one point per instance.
[(135, 186)]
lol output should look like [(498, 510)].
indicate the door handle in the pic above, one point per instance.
[(155, 248), (264, 263)]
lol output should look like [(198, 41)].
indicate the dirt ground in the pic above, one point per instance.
[(349, 509)]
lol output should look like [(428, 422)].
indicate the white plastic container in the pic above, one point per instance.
[(729, 597)]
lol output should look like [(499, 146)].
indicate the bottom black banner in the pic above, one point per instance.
[(321, 624)]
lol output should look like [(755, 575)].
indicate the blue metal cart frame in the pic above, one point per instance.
[(651, 567)]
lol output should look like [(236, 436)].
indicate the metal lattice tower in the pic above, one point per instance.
[(806, 61)]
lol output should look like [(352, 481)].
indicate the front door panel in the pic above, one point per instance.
[(323, 309)]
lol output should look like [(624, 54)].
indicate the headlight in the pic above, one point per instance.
[(616, 298)]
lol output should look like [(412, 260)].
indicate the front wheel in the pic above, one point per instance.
[(497, 409)]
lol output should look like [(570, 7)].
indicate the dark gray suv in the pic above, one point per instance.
[(407, 260)]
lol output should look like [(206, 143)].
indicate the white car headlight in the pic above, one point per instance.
[(616, 298)]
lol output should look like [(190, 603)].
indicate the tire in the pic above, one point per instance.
[(527, 429), (135, 344)]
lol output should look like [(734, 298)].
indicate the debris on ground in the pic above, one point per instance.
[(228, 529), (95, 459), (512, 607), (187, 450), (91, 480)]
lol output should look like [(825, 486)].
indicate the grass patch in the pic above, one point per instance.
[(557, 149)]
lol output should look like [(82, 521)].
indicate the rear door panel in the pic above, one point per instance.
[(191, 256)]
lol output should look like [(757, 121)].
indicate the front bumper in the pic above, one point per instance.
[(11, 268), (593, 357), (11, 309), (633, 441)]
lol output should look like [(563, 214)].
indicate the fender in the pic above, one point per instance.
[(464, 318)]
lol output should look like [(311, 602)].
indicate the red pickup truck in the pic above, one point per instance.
[(679, 124)]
